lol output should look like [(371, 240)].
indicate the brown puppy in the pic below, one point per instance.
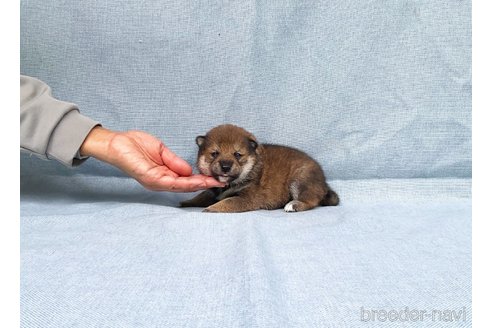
[(257, 176)]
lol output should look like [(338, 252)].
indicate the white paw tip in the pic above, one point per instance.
[(289, 207)]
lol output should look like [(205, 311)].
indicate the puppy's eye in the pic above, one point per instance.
[(214, 154), (238, 155)]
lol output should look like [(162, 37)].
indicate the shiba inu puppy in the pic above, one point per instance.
[(257, 176)]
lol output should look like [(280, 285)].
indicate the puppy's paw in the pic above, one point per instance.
[(233, 204), (298, 206), (292, 206), (218, 208), (187, 203), (211, 209)]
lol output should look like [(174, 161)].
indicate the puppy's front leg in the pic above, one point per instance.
[(232, 204), (203, 199)]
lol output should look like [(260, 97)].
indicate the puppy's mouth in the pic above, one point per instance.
[(224, 178)]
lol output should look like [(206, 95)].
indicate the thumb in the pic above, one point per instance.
[(175, 163)]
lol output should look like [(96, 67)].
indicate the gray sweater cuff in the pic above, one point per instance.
[(50, 128), (67, 138)]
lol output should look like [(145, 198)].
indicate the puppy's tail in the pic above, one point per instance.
[(330, 199)]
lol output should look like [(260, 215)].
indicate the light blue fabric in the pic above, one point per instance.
[(379, 92), (104, 253), (378, 89)]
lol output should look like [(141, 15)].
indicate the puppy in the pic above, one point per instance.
[(257, 176)]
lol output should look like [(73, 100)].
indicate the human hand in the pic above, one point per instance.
[(146, 159)]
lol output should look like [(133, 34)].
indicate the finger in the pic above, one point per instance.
[(175, 163), (164, 170), (200, 182), (181, 184), (212, 182)]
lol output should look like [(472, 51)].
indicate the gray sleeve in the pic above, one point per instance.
[(50, 128)]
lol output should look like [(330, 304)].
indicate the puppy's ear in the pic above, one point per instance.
[(200, 140), (252, 144)]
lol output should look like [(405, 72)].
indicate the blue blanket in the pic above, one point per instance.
[(105, 253)]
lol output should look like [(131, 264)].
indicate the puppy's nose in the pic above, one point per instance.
[(225, 166)]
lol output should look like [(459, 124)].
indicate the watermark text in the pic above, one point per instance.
[(413, 315)]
